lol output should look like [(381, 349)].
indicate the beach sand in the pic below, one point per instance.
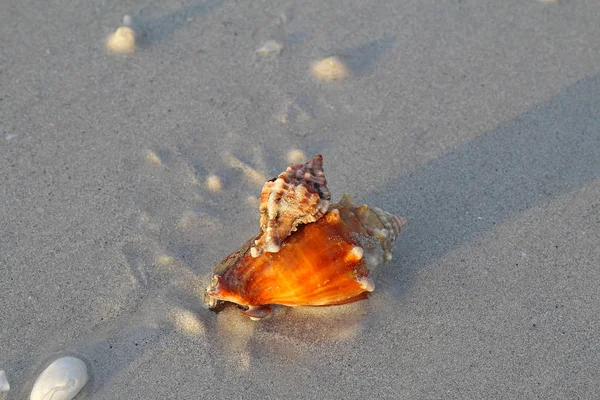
[(126, 177)]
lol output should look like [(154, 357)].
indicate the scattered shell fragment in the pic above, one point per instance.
[(121, 41), (213, 183), (299, 195), (61, 380), (153, 158), (270, 47), (330, 69), (4, 385)]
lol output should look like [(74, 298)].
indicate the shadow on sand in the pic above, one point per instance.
[(543, 153), (160, 28)]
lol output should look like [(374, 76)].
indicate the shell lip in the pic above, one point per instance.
[(214, 304), (211, 295), (257, 312)]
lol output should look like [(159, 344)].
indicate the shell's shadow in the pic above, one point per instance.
[(545, 152), (158, 29), (362, 58)]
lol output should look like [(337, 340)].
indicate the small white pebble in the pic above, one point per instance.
[(523, 254), (10, 136), (330, 69), (214, 183), (121, 41), (127, 20), (153, 158), (270, 47)]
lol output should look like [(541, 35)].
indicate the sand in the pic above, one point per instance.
[(478, 121)]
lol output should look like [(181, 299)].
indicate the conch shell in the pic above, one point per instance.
[(320, 258), (299, 195)]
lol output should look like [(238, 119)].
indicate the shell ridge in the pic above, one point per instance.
[(299, 195)]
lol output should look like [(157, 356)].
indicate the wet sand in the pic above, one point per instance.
[(126, 177)]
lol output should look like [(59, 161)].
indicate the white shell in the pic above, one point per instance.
[(61, 380), (270, 47), (4, 385)]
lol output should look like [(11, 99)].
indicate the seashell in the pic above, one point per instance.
[(270, 47), (328, 262), (299, 195), (4, 385), (61, 380), (122, 40), (214, 183), (330, 69)]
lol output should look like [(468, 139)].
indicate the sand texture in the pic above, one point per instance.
[(124, 178)]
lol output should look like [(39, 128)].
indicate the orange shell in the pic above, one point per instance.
[(326, 262)]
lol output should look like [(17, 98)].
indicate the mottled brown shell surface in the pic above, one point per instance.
[(299, 195)]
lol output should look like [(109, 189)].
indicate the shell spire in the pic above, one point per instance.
[(299, 195), (380, 224)]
